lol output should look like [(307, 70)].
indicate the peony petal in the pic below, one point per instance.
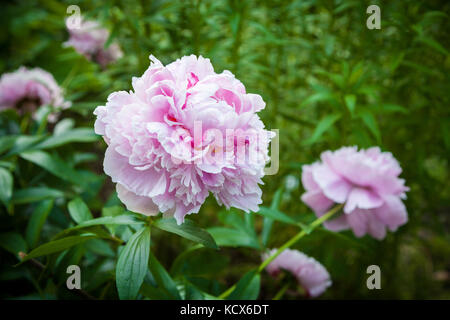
[(143, 183), (392, 213), (135, 203), (332, 185), (358, 221), (337, 224), (362, 199), (317, 201), (307, 177), (377, 228)]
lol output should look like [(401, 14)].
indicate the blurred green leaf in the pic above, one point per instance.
[(35, 194), (323, 125), (13, 242), (63, 126), (6, 142), (371, 123), (276, 215), (6, 186), (268, 222), (350, 102), (36, 221), (53, 164), (69, 136), (388, 108), (433, 44), (23, 143), (317, 97)]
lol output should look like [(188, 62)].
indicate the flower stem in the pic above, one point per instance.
[(290, 242), (280, 293)]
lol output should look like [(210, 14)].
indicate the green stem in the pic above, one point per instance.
[(300, 235), (281, 292), (24, 123), (70, 76), (290, 242)]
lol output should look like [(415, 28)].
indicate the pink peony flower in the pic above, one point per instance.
[(180, 135), (310, 274), (89, 40), (366, 181), (27, 89)]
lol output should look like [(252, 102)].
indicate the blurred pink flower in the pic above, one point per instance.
[(169, 143), (366, 181), (89, 40), (310, 274), (27, 89)]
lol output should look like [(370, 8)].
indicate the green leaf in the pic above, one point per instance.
[(186, 230), (350, 102), (192, 293), (133, 264), (433, 44), (112, 35), (13, 242), (23, 143), (199, 262), (112, 211), (63, 125), (371, 123), (107, 221), (69, 136), (54, 165), (268, 222), (98, 231), (247, 288), (6, 142), (58, 245), (36, 222), (276, 215), (390, 108), (79, 211), (99, 247), (124, 219), (6, 186), (317, 97), (163, 279), (153, 292), (356, 74), (228, 237), (322, 127), (8, 165), (35, 194)]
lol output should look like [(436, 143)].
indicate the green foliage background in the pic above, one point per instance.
[(327, 80)]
